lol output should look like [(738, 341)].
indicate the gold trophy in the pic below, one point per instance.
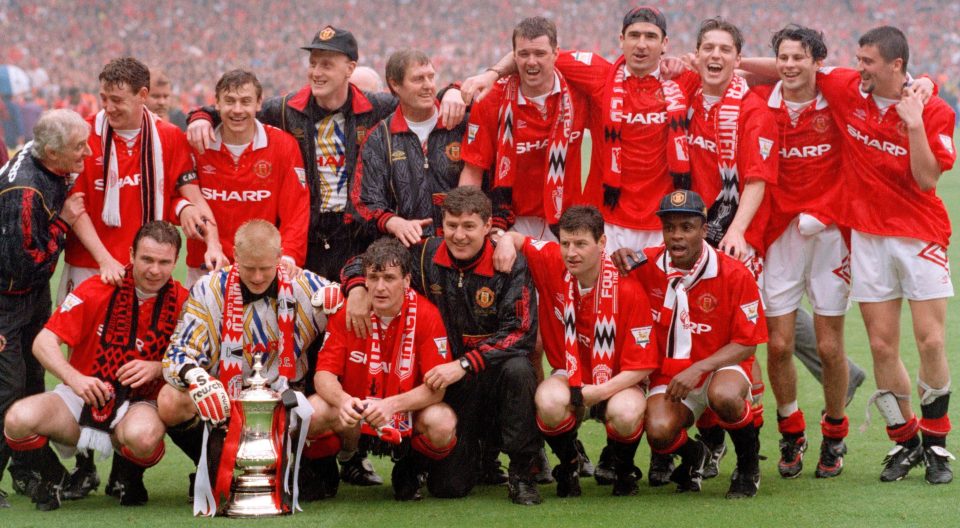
[(256, 465)]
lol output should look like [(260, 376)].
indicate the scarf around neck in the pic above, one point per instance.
[(604, 330), (151, 170)]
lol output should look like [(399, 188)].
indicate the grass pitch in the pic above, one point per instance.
[(856, 498)]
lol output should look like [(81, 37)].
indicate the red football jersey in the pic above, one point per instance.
[(809, 179), (884, 198), (635, 344), (267, 182), (644, 128), (78, 321), (757, 155), (177, 163), (724, 309), (346, 355), (532, 132)]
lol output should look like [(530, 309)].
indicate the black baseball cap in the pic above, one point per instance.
[(684, 202), (645, 14), (334, 39)]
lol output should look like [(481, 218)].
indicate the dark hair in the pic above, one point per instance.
[(648, 14), (387, 251), (582, 218), (126, 71), (160, 232), (720, 23), (468, 199), (233, 80), (535, 27), (399, 61), (890, 41), (810, 39)]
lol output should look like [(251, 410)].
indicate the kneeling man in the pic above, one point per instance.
[(107, 396), (374, 386)]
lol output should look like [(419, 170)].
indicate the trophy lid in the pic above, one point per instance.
[(258, 388)]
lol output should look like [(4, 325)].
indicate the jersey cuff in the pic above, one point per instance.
[(179, 205)]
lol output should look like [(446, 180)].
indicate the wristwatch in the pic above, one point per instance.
[(465, 364)]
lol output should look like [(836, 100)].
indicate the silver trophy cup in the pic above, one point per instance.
[(254, 481)]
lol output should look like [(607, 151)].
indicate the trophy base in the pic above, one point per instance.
[(252, 501)]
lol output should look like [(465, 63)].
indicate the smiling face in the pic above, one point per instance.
[(683, 236), (257, 267), (418, 91), (581, 253), (123, 106), (465, 234), (876, 73), (329, 74), (153, 264), (642, 44), (535, 60), (386, 287), (717, 58), (69, 160), (238, 110), (796, 67)]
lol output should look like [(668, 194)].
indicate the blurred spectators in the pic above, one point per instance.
[(195, 41)]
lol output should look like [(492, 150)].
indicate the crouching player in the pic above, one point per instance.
[(711, 319), (373, 386), (601, 345), (109, 384)]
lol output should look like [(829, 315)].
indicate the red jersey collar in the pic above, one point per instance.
[(301, 99), (482, 266), (398, 123)]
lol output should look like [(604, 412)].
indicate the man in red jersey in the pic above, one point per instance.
[(527, 134), (251, 170), (599, 340), (806, 250), (140, 171), (110, 382), (895, 158), (710, 317), (364, 384)]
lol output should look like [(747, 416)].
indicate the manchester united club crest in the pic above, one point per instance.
[(678, 198), (902, 129), (821, 123), (707, 302), (453, 151), (262, 169), (326, 33), (484, 297), (361, 133)]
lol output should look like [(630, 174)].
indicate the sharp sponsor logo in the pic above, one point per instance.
[(235, 196), (702, 142), (529, 146), (883, 146), (125, 181), (806, 151), (650, 118)]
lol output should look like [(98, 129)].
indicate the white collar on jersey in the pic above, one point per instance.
[(556, 89), (776, 97), (259, 137)]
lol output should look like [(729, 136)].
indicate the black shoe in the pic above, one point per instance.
[(689, 474), (132, 492), (661, 467), (80, 483), (319, 479), (47, 495), (625, 483), (406, 480), (568, 480), (25, 483), (585, 468), (359, 472), (543, 474), (493, 474), (899, 461), (523, 490), (791, 456), (715, 454), (603, 473), (831, 458), (937, 460), (745, 483)]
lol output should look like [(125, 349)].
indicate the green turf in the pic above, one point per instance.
[(856, 498)]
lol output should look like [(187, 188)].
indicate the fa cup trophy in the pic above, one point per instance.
[(259, 452)]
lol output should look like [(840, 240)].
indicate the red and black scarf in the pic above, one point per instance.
[(726, 121), (606, 307), (678, 158), (151, 170), (505, 170)]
